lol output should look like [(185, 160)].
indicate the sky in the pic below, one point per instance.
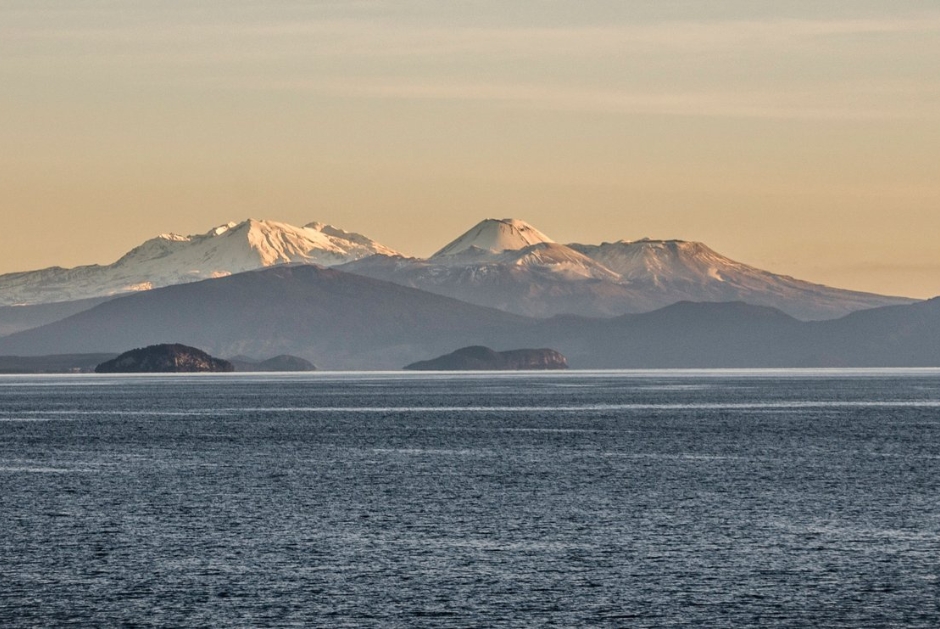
[(800, 137)]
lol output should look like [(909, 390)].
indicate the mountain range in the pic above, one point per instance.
[(507, 264), (501, 263), (344, 321), (344, 301)]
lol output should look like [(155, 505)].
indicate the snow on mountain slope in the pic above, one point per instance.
[(512, 285), (558, 259), (174, 259), (491, 265), (492, 236), (507, 264), (658, 261), (667, 271), (510, 265)]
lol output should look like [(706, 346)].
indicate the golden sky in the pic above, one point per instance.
[(803, 139)]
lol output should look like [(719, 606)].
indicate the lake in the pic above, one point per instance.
[(642, 499)]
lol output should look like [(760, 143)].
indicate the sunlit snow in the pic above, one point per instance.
[(175, 259)]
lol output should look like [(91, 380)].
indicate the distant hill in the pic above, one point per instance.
[(59, 363), (734, 334), (15, 319), (343, 321), (684, 335), (333, 319)]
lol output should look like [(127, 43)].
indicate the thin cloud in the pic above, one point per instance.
[(429, 62), (793, 105), (371, 38)]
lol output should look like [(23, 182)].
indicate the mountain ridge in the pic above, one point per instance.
[(340, 320), (546, 278), (500, 263), (304, 310)]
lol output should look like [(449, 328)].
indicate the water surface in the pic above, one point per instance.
[(729, 498)]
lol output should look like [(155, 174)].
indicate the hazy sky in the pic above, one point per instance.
[(801, 137)]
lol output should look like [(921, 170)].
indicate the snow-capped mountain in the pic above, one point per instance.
[(174, 259), (515, 243), (659, 261), (508, 264), (492, 236), (502, 263), (667, 271)]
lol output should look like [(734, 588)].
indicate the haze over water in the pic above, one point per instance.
[(773, 498)]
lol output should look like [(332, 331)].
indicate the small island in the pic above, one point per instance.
[(284, 362), (479, 358), (165, 358)]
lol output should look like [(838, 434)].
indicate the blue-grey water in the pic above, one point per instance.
[(650, 499)]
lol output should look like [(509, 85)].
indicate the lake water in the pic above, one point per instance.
[(642, 499)]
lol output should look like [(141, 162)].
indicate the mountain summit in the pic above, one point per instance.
[(249, 245), (493, 236), (172, 259)]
